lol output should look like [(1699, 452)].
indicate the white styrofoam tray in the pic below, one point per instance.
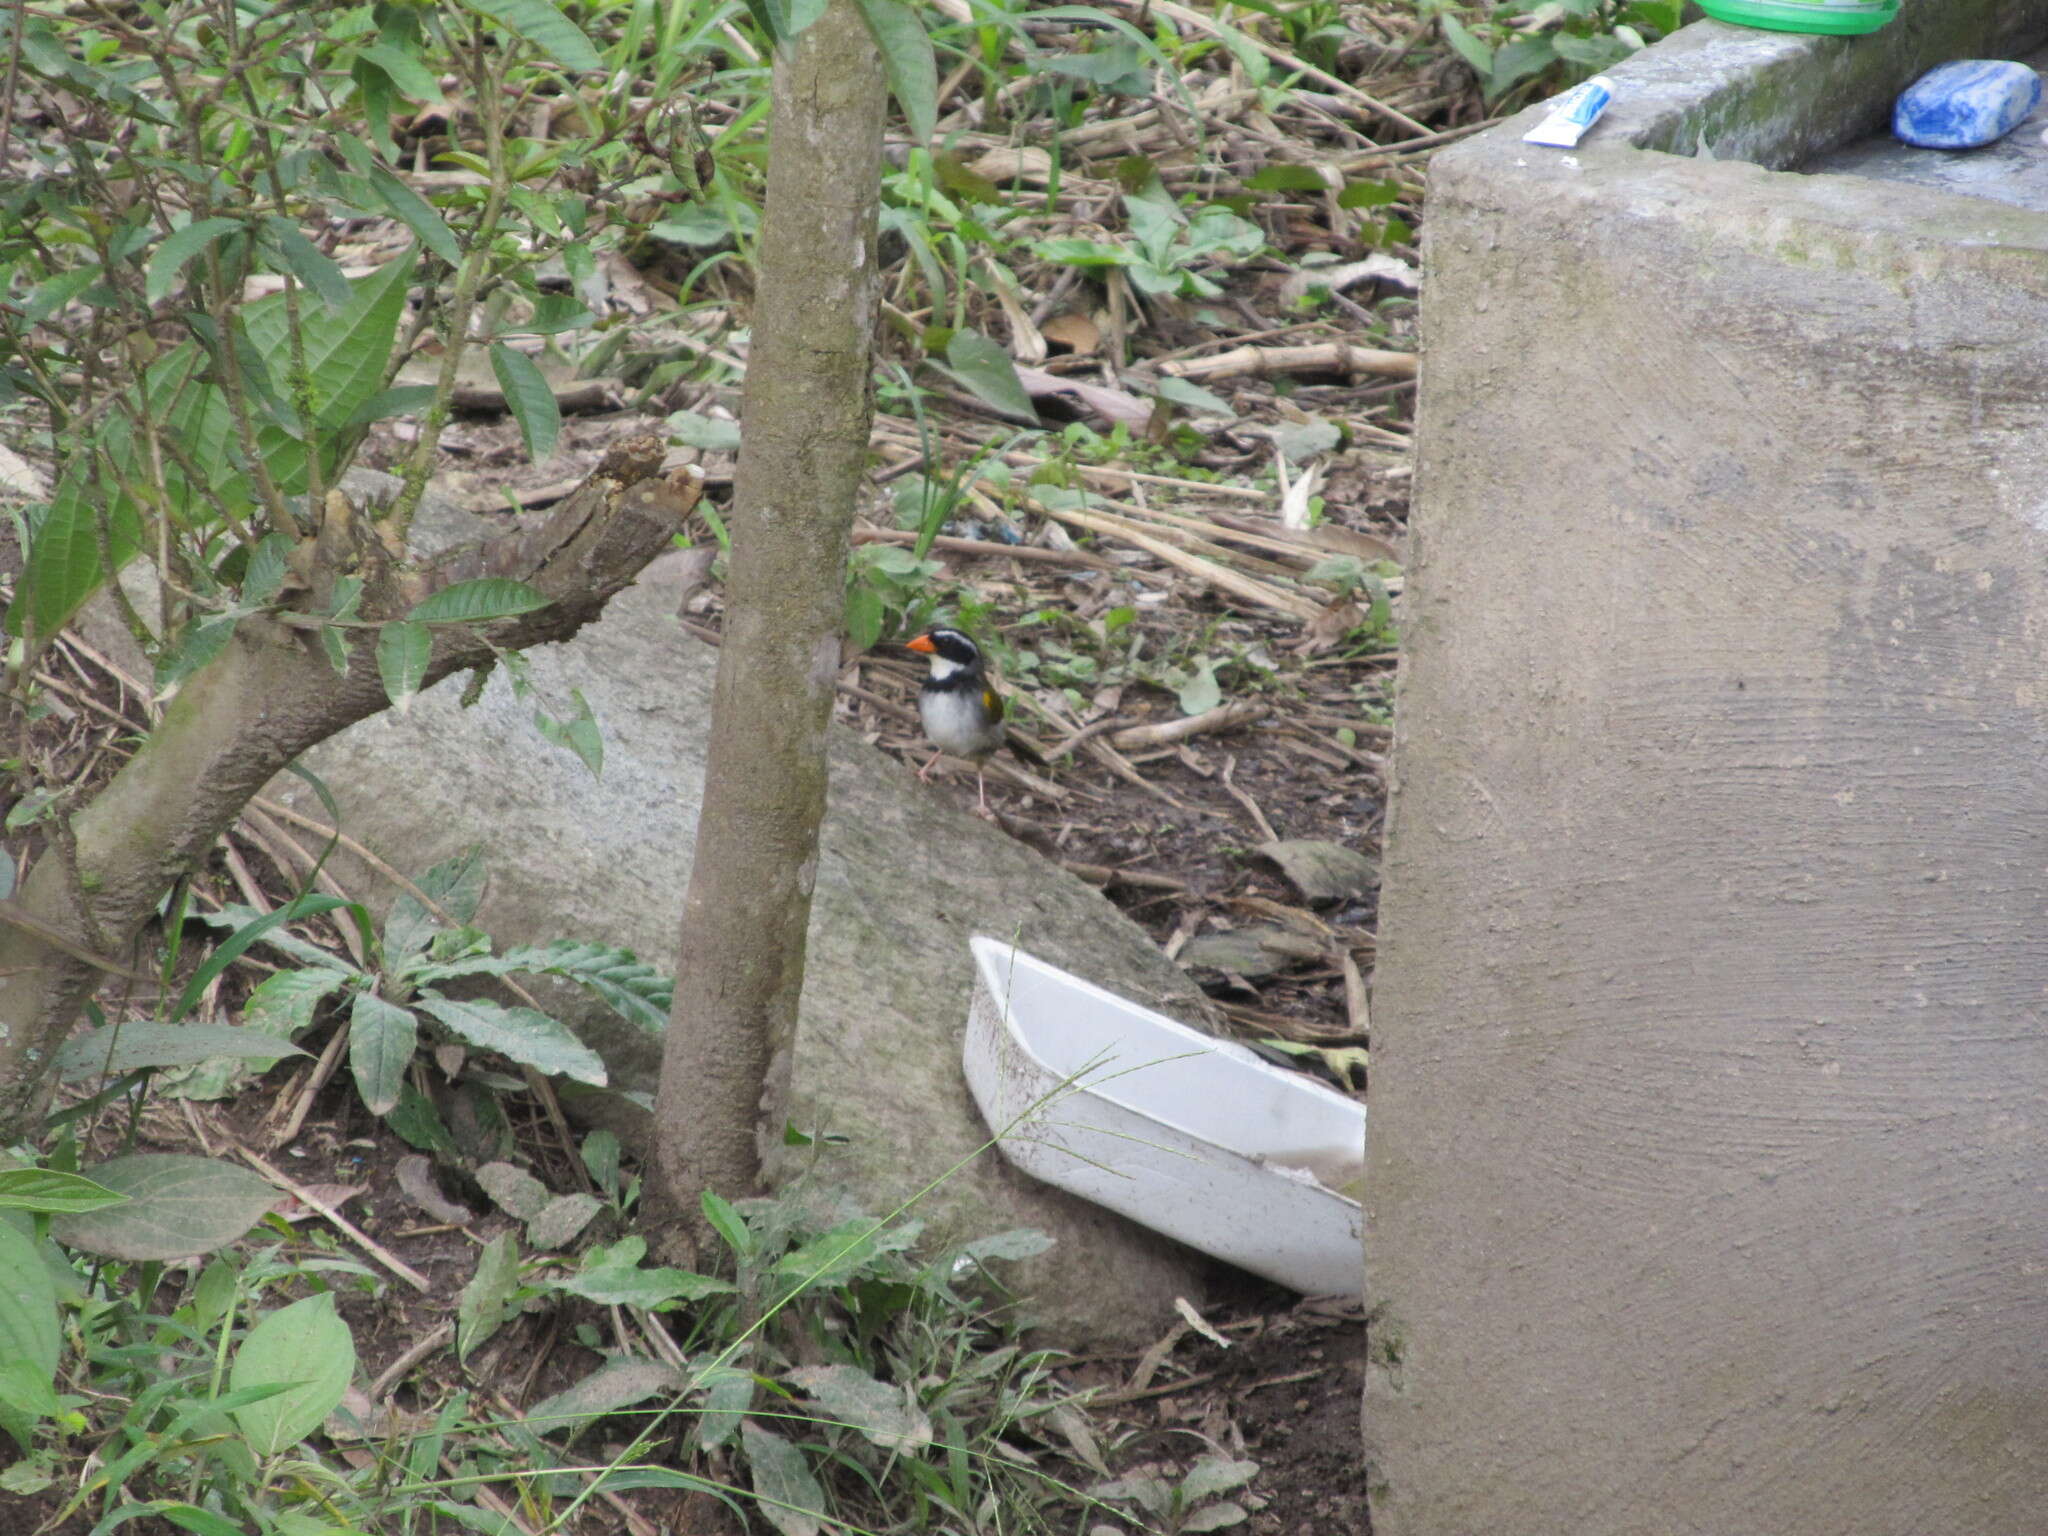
[(1186, 1134)]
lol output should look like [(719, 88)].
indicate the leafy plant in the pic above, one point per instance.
[(1193, 1503), (426, 946), (1167, 247), (834, 1364), (1517, 41)]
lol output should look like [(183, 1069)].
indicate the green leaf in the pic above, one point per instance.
[(64, 557), (552, 314), (407, 73), (579, 733), (543, 25), (1076, 252), (486, 1301), (178, 248), (27, 1397), (1589, 52), (197, 645), (986, 369), (1184, 392), (1016, 1243), (513, 1190), (611, 1388), (531, 401), (630, 1285), (417, 215), (454, 885), (1519, 59), (178, 1206), (790, 1498), (46, 298), (1112, 68), (600, 1154), (849, 1395), (1283, 176), (1661, 16), (1370, 194), (907, 55), (834, 1256), (296, 910), (346, 349), (307, 1346), (404, 647), (50, 1190), (190, 1517), (727, 1223), (728, 1394), (630, 986), (418, 1123), (772, 17), (381, 1040), (1201, 693), (269, 562), (1213, 1475), (380, 99), (1467, 47), (234, 916), (402, 400), (1215, 1517), (561, 1219), (709, 432), (309, 264), (29, 1333), (865, 614), (336, 650), (477, 602), (526, 1036), (118, 1048)]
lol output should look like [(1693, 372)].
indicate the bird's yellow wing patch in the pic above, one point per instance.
[(992, 702)]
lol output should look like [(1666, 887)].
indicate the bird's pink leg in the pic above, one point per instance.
[(924, 773)]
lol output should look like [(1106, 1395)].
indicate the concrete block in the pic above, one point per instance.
[(1707, 1182)]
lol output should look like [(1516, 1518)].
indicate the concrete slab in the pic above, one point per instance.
[(1707, 1185)]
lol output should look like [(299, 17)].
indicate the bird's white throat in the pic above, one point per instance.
[(943, 668)]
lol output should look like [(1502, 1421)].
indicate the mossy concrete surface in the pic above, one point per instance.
[(1707, 1183)]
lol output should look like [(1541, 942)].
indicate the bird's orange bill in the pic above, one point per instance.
[(921, 643)]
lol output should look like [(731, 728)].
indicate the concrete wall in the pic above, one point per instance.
[(1707, 1183)]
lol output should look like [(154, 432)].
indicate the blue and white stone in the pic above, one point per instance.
[(1965, 103)]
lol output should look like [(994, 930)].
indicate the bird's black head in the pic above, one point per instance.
[(948, 645)]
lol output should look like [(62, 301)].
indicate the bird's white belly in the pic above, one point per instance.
[(954, 722)]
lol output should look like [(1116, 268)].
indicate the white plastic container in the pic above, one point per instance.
[(1186, 1134)]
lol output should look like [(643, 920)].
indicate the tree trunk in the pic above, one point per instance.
[(726, 1063), (268, 697)]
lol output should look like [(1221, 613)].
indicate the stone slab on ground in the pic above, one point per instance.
[(904, 879)]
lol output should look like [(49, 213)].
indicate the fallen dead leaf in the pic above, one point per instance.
[(1074, 331), (1323, 871)]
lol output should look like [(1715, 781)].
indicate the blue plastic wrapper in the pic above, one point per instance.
[(1965, 103)]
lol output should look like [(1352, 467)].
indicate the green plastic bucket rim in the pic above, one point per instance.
[(1854, 16)]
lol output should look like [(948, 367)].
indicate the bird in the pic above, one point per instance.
[(961, 710)]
